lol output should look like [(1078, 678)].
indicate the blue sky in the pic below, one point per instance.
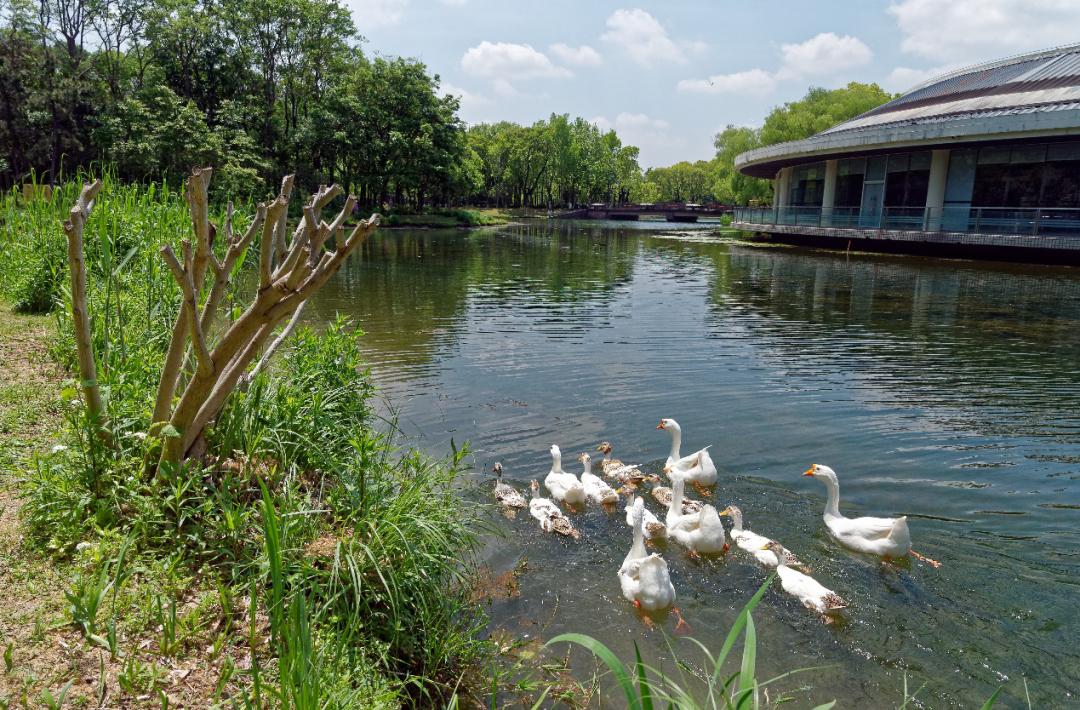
[(669, 75)]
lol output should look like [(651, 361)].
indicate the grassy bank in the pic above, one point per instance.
[(310, 560), (448, 218)]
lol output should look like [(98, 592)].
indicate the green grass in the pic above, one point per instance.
[(312, 560)]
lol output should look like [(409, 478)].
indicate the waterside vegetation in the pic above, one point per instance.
[(308, 559)]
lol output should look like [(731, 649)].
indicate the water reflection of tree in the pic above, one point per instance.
[(411, 289)]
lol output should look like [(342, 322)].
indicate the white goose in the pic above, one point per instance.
[(756, 544), (814, 595), (549, 516), (697, 467), (643, 577), (564, 487), (654, 529), (884, 537), (595, 489), (701, 532)]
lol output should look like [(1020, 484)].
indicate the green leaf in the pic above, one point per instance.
[(643, 682), (824, 706), (737, 627), (610, 660), (170, 431), (992, 699), (749, 657)]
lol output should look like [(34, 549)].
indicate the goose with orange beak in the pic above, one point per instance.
[(697, 468), (884, 537)]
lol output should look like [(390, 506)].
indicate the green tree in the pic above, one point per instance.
[(820, 109)]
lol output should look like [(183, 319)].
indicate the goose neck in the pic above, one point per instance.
[(677, 486), (832, 505), (676, 442)]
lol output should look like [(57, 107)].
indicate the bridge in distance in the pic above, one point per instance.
[(672, 212)]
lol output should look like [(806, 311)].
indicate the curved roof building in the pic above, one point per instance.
[(984, 156)]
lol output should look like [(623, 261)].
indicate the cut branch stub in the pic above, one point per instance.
[(84, 351)]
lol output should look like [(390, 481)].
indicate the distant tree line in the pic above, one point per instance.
[(554, 162), (259, 88), (717, 180)]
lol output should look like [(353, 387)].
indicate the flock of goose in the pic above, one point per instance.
[(695, 525)]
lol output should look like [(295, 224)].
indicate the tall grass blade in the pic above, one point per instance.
[(737, 626), (992, 699), (643, 682), (747, 682), (610, 660)]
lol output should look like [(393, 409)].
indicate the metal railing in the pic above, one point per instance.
[(1050, 221)]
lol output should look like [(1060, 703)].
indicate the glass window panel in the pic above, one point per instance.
[(851, 166), (920, 161), (849, 190), (1025, 184), (992, 155), (898, 163), (1061, 184), (917, 183), (990, 183), (1063, 151), (875, 168), (1029, 154)]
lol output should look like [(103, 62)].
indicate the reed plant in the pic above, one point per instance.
[(713, 682)]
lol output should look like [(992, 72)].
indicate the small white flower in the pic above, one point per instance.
[(58, 448)]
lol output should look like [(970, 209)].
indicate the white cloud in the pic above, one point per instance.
[(969, 31), (652, 135), (470, 100), (639, 121), (751, 81), (583, 55), (509, 62), (904, 78), (642, 36), (373, 14), (823, 54)]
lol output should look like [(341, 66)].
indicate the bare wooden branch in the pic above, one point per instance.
[(190, 310), (80, 317), (222, 271), (282, 337), (196, 192), (279, 233), (274, 212)]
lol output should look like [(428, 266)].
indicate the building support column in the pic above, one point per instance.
[(828, 192), (781, 193), (935, 190)]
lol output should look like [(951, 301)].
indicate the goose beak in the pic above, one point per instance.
[(726, 511), (660, 425), (765, 547), (667, 470), (810, 471)]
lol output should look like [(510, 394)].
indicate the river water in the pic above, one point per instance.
[(944, 390)]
